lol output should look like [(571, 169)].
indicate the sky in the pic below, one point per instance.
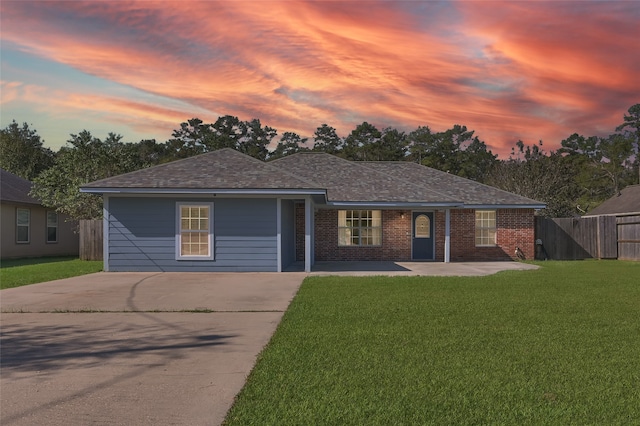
[(517, 70)]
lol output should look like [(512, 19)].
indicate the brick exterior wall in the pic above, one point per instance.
[(515, 228), (396, 238)]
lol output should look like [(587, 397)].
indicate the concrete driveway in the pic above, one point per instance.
[(152, 348), (135, 348)]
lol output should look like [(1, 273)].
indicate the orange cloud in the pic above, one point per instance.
[(514, 70)]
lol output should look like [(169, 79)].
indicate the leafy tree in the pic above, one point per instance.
[(631, 127), (326, 140), (85, 160), (22, 152), (256, 140), (391, 147), (290, 143), (362, 143), (604, 163), (532, 173), (455, 151), (196, 137), (192, 138), (420, 142), (150, 152)]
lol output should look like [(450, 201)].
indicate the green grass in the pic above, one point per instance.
[(556, 346), (19, 272)]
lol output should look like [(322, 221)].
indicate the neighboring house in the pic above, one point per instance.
[(27, 228), (626, 203), (225, 211)]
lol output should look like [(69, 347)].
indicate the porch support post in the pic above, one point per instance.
[(447, 235), (105, 233), (308, 234), (279, 233)]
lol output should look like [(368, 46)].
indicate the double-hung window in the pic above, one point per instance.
[(52, 227), (485, 228), (23, 225), (194, 239), (359, 227)]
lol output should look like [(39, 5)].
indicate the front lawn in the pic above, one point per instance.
[(560, 345), (19, 272)]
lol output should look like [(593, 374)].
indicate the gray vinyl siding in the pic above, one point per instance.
[(288, 233), (142, 235)]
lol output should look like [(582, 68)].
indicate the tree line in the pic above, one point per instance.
[(570, 180)]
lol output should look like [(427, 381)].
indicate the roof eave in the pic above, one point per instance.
[(393, 204), (536, 206), (202, 191)]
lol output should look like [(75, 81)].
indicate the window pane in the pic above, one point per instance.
[(23, 234), (52, 234), (192, 220), (23, 217), (359, 227), (52, 219)]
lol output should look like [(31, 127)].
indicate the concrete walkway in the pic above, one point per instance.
[(415, 268)]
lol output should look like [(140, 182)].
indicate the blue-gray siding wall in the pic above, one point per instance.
[(142, 235), (287, 230)]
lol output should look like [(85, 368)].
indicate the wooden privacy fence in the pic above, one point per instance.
[(91, 239), (628, 237), (597, 237)]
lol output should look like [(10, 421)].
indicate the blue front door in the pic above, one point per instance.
[(422, 236)]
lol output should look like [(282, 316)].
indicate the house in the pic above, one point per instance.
[(225, 211), (626, 203), (27, 228)]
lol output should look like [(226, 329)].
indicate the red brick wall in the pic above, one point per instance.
[(515, 228), (396, 238)]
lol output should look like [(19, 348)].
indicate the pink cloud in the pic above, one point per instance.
[(510, 71)]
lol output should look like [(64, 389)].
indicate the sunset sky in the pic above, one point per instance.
[(525, 70)]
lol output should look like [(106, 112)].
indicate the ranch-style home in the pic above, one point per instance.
[(29, 229), (226, 211)]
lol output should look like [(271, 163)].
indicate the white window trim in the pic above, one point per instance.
[(360, 227), (47, 226), (179, 206), (495, 229), (28, 225)]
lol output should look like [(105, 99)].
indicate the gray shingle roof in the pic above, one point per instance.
[(15, 189), (628, 201), (344, 181), (351, 181), (222, 169), (456, 187)]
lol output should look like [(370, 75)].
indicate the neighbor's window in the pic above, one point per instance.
[(195, 236), (485, 227), (23, 221), (359, 227), (52, 227)]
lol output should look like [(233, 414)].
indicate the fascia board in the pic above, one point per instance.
[(390, 204), (505, 206), (203, 191)]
